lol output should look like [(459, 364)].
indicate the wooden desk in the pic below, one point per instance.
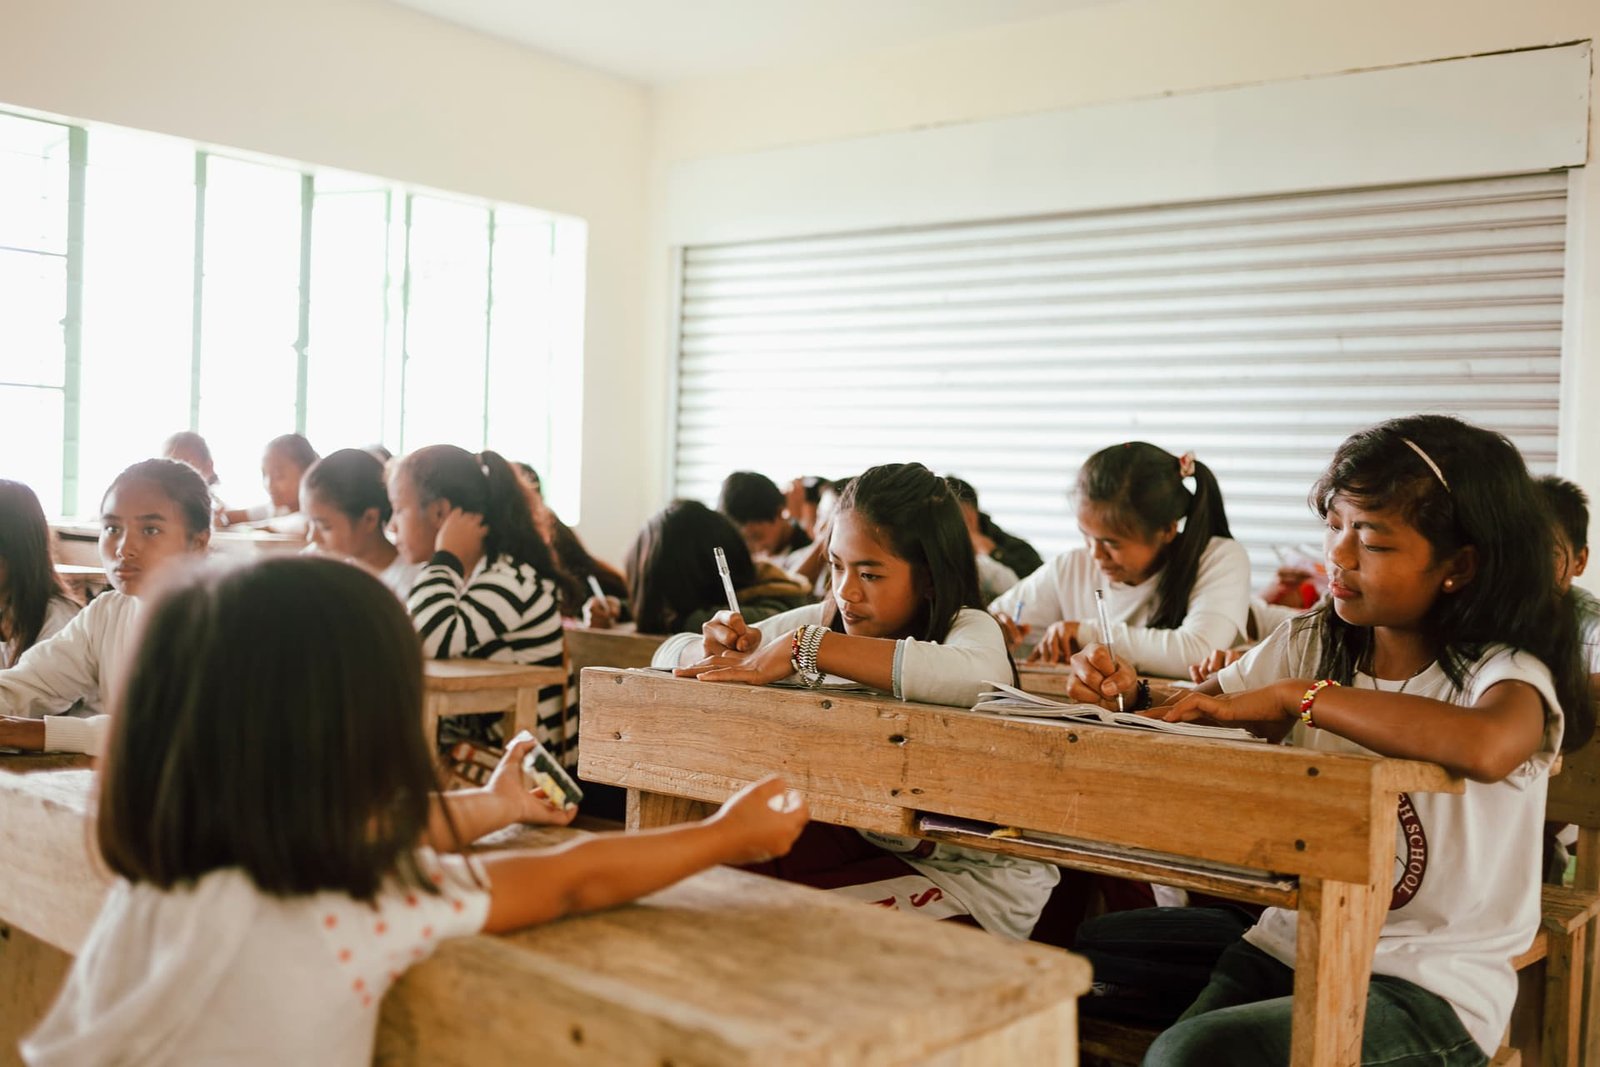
[(1050, 680), (482, 686), (726, 968), (620, 646), (1324, 822)]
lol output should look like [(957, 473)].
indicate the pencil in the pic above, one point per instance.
[(727, 579), (594, 587), (1105, 634)]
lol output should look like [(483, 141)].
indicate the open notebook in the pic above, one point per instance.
[(1013, 703)]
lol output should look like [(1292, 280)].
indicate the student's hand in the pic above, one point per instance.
[(599, 613), (761, 821), (522, 804), (462, 535), (26, 734), (1219, 658), (762, 667), (1097, 679), (1269, 711), (1015, 632), (727, 632), (1057, 645)]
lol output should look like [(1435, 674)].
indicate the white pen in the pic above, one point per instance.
[(727, 579), (594, 587), (1105, 635)]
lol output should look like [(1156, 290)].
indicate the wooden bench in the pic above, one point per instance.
[(482, 686), (1314, 831), (725, 968), (620, 646)]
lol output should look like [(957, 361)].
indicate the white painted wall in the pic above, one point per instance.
[(377, 88), (1121, 51)]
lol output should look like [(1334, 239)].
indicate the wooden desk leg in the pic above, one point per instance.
[(647, 810), (526, 714), (1589, 878), (1563, 999), (431, 710), (1339, 925)]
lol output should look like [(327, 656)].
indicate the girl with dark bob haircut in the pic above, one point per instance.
[(33, 603), (264, 798)]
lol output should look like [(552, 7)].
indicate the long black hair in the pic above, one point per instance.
[(672, 570), (1483, 497), (30, 572), (270, 721), (1141, 486), (916, 513), (483, 484)]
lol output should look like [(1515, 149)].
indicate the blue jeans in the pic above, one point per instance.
[(1242, 1019)]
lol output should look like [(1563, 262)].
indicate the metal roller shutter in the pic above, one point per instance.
[(1257, 333)]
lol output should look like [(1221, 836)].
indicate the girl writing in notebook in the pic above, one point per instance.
[(33, 605), (902, 615), (156, 512), (265, 827), (1157, 542), (1446, 639), (347, 511)]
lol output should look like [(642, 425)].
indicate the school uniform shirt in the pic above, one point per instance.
[(1466, 886), (221, 972), (994, 577), (400, 576), (1003, 894), (57, 613), (502, 611), (83, 663), (1219, 605)]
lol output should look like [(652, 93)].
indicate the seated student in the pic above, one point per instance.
[(803, 500), (272, 880), (485, 590), (1445, 639), (283, 467), (673, 583), (347, 509), (186, 446), (1177, 584), (155, 513), (576, 565), (994, 577), (756, 505), (33, 605), (988, 539), (903, 616)]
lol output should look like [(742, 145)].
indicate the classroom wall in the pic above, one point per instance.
[(373, 87), (1120, 50)]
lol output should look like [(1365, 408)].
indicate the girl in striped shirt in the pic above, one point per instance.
[(488, 587)]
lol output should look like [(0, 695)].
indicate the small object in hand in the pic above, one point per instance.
[(786, 801), (540, 770), (594, 587), (727, 578), (1005, 832)]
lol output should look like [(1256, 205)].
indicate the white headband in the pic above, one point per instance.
[(1434, 467)]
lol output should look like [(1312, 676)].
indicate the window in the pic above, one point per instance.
[(147, 287)]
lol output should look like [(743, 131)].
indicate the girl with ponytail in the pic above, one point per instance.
[(487, 589), (1157, 542)]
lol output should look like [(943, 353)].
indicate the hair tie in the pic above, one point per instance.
[(1434, 467), (1186, 465)]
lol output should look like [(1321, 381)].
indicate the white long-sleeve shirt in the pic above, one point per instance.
[(952, 672), (1219, 607), (81, 663)]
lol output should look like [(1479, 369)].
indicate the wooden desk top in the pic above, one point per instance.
[(724, 968), (620, 646), (875, 763), (465, 675)]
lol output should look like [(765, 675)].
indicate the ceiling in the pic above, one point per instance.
[(658, 42)]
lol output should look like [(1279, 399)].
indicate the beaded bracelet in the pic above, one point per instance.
[(1311, 698)]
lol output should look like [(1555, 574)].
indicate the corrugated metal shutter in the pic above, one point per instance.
[(1257, 333)]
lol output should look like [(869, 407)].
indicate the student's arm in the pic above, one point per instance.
[(460, 817), (1484, 742), (55, 674), (1219, 607), (610, 869)]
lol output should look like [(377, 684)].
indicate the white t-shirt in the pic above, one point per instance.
[(1219, 606), (400, 576), (1466, 892), (222, 973)]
